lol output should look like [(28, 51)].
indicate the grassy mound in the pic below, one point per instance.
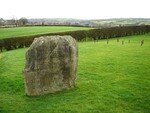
[(112, 78)]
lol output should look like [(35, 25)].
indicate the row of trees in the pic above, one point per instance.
[(34, 22), (13, 22)]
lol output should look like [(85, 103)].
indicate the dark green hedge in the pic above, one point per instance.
[(94, 34)]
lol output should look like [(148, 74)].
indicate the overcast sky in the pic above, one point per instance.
[(81, 9)]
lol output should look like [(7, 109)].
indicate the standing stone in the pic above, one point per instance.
[(142, 42), (51, 65)]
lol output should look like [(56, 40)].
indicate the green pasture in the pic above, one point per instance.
[(112, 78), (30, 31)]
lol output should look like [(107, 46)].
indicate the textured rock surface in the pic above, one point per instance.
[(51, 65)]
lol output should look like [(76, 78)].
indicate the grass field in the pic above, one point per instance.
[(28, 31), (112, 78), (0, 56)]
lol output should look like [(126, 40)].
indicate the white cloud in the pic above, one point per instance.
[(83, 9)]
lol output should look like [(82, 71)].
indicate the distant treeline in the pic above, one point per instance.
[(14, 22), (69, 25), (82, 35)]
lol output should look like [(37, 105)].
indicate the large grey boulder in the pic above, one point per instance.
[(51, 65)]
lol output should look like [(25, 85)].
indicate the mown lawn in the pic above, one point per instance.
[(112, 78), (30, 31)]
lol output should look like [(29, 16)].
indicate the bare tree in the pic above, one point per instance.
[(11, 22), (43, 23), (23, 21), (2, 22)]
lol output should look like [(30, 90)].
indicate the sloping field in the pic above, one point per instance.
[(30, 31), (112, 78)]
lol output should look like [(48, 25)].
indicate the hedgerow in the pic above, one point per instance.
[(94, 34)]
